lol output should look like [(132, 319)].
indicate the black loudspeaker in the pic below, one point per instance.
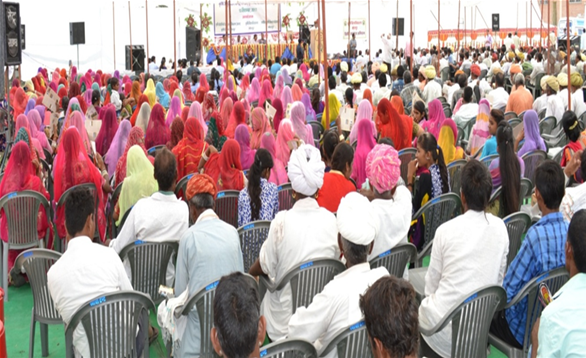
[(401, 26), (13, 39), (496, 22), (76, 33), (192, 43), (304, 34), (22, 37), (138, 57)]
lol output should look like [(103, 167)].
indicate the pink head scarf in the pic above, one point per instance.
[(253, 91), (78, 122), (265, 93), (195, 112), (246, 153), (260, 125), (285, 135), (286, 98), (364, 145), (364, 113), (279, 86), (436, 118), (298, 121), (305, 73), (383, 167), (174, 111), (278, 173)]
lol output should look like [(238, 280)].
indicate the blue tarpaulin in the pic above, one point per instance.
[(212, 56)]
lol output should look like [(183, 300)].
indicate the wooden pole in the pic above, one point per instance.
[(266, 34), (130, 33), (146, 7), (397, 28), (174, 39), (548, 38), (113, 33), (464, 39), (568, 53), (458, 31), (326, 87), (369, 47), (319, 31), (230, 21), (531, 24), (411, 38), (226, 28), (438, 25), (349, 36), (541, 29), (201, 33)]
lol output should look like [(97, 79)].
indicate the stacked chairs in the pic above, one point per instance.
[(89, 186), (351, 342)]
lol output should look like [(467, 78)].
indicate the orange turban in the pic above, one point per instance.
[(515, 69), (459, 72), (200, 184)]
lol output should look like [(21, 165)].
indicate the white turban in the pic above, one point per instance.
[(357, 221), (344, 66), (306, 170)]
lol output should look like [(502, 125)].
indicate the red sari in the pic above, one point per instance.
[(225, 167), (237, 118), (73, 167), (392, 125), (142, 99), (19, 176), (189, 150)]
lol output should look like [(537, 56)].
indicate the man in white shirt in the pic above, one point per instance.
[(153, 64), (509, 41), (390, 201), (517, 41), (469, 252), (158, 218), (578, 105), (382, 91), (336, 307), (387, 54), (466, 63), (498, 97), (432, 90), (537, 68), (301, 234), (554, 106), (86, 270)]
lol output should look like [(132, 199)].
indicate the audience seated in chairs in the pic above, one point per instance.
[(208, 250), (85, 270), (239, 329), (303, 233), (542, 250), (469, 252), (336, 307), (337, 181)]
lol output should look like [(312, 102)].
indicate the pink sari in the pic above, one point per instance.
[(278, 173)]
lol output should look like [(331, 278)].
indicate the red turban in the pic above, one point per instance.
[(475, 70), (200, 184)]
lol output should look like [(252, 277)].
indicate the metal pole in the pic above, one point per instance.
[(531, 23), (541, 29), (113, 34), (568, 51), (266, 33), (369, 47), (319, 31), (130, 32), (326, 87), (411, 37), (548, 38), (174, 40), (201, 33), (78, 56), (458, 32), (397, 28), (226, 27), (349, 35), (231, 40), (438, 25), (146, 7)]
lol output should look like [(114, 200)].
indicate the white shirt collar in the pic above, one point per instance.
[(206, 215), (79, 241)]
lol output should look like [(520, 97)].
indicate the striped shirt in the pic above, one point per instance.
[(542, 250)]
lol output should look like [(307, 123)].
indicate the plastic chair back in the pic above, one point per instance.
[(532, 161), (434, 213), (318, 129), (285, 192), (351, 342), (227, 206), (495, 205), (510, 115), (526, 189), (61, 202), (547, 125), (289, 348), (154, 150), (181, 186), (112, 204), (203, 301), (488, 159), (396, 259), (148, 265), (252, 236), (455, 174), (517, 224), (110, 322), (558, 157), (515, 122), (405, 156)]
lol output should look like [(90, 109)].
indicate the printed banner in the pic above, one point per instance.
[(246, 18)]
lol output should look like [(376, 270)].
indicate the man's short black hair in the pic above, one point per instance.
[(400, 71), (332, 83), (78, 206), (500, 79), (382, 80), (391, 316), (551, 183), (165, 169), (462, 81), (344, 77), (236, 315), (407, 77), (476, 185), (577, 239)]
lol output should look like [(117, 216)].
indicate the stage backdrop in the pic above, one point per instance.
[(246, 18)]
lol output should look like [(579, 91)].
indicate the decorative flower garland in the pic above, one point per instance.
[(286, 22), (301, 19), (190, 20)]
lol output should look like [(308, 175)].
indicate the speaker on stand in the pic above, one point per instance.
[(13, 34), (138, 57), (192, 44), (77, 36)]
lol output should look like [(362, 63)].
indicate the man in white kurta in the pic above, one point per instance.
[(208, 250), (301, 234), (337, 307), (469, 252), (86, 270)]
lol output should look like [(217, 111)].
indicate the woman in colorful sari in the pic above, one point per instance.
[(447, 141), (18, 176), (265, 93), (278, 105), (391, 125), (36, 148), (19, 102), (260, 125), (309, 112), (187, 94), (204, 87), (577, 140), (73, 167), (244, 85), (142, 119), (226, 112), (286, 99), (151, 92), (185, 114), (254, 91), (225, 168), (246, 153), (174, 111), (335, 106), (286, 140), (35, 123), (237, 118), (107, 130), (364, 114), (30, 105), (279, 86), (306, 75), (296, 93), (436, 118), (162, 96), (157, 132), (216, 131), (303, 131), (190, 149), (278, 173), (365, 142), (480, 133), (530, 133), (286, 76), (139, 183), (367, 95), (74, 90), (208, 107), (316, 103), (195, 112), (136, 137), (177, 128), (78, 122), (135, 91), (117, 147)]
